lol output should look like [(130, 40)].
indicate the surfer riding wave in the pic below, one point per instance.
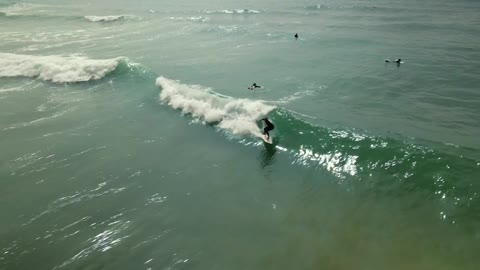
[(268, 127)]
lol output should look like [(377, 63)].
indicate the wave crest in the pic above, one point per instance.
[(193, 19), (61, 69), (238, 116), (235, 11), (110, 18)]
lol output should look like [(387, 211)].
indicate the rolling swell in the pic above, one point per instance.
[(386, 166), (371, 164), (363, 163)]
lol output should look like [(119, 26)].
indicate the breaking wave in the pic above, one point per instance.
[(239, 116), (235, 11), (110, 18), (193, 19), (59, 69)]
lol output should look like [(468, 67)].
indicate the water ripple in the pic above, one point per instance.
[(102, 242)]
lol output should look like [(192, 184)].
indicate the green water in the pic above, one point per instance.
[(129, 141)]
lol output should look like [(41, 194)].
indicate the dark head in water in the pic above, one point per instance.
[(296, 35)]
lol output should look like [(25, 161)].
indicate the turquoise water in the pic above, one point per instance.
[(129, 139)]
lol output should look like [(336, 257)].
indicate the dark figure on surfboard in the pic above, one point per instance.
[(254, 85), (296, 35), (268, 126), (398, 61)]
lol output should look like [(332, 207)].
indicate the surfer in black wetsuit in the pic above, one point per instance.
[(296, 35), (268, 126), (398, 61), (254, 85)]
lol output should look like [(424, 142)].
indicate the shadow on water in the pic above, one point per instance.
[(268, 154)]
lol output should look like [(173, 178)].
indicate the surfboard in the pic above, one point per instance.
[(269, 140)]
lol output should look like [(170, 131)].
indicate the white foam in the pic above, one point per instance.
[(235, 11), (239, 116), (110, 18), (193, 19), (56, 68), (243, 11)]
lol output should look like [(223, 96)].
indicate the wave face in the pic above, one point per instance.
[(239, 116), (59, 69), (379, 164), (110, 18), (382, 164)]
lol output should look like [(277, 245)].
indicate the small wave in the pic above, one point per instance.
[(110, 18), (193, 19), (36, 121), (348, 7), (235, 11), (238, 116), (61, 69), (296, 96), (226, 29), (22, 9)]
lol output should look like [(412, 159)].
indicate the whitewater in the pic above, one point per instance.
[(240, 116), (55, 68), (129, 138)]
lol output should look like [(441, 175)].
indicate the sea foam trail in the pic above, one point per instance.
[(110, 18), (238, 116), (61, 69)]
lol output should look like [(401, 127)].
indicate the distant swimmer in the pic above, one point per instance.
[(254, 85), (398, 61), (268, 126), (296, 35)]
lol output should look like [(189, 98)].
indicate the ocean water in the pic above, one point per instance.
[(129, 139)]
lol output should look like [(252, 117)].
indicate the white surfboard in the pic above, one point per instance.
[(269, 140)]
